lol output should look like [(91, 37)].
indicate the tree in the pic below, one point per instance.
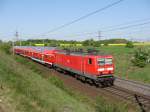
[(89, 42), (97, 44), (129, 44)]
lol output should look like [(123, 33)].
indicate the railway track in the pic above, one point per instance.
[(140, 99), (133, 86)]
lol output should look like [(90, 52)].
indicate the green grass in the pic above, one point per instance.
[(123, 65), (26, 91), (106, 106)]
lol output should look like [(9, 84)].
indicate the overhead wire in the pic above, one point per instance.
[(129, 26), (114, 29), (123, 26), (131, 23), (92, 13), (83, 17)]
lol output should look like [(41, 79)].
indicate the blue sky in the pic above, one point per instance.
[(34, 17)]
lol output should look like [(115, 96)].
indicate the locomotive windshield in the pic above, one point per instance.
[(103, 61), (108, 61)]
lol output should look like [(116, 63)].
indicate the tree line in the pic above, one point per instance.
[(55, 43)]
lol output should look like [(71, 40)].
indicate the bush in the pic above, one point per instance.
[(105, 44), (6, 47), (129, 44), (141, 57)]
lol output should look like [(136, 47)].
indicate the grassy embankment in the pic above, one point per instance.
[(124, 67), (22, 89)]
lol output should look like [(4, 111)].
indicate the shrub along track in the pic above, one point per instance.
[(111, 93)]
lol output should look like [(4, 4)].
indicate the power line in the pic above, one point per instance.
[(107, 27), (123, 26), (85, 16), (119, 28), (129, 26), (127, 23), (129, 32)]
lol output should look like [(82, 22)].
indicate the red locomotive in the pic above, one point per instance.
[(95, 69)]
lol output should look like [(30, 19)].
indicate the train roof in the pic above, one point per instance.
[(100, 53), (47, 50), (38, 49)]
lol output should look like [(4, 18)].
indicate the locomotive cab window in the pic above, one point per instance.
[(103, 61), (89, 61), (108, 61)]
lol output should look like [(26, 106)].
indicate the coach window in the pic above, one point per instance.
[(89, 61), (46, 56)]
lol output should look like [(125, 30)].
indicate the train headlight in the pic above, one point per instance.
[(111, 68), (101, 69)]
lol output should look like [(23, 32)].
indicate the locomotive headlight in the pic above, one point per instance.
[(101, 69), (111, 68)]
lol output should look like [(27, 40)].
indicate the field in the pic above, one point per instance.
[(136, 44), (123, 65)]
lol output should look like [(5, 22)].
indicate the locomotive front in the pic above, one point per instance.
[(105, 70)]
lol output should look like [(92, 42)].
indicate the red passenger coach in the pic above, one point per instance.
[(96, 69), (49, 56), (44, 55)]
